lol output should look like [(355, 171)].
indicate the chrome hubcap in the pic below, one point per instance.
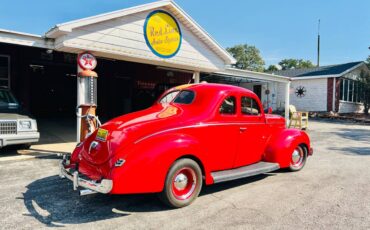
[(181, 181), (296, 156)]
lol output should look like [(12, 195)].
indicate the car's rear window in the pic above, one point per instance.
[(185, 97), (169, 97)]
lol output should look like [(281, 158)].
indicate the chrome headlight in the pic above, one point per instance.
[(25, 125)]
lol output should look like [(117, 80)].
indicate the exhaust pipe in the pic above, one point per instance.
[(85, 192)]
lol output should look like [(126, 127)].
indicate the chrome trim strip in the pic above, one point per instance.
[(200, 125)]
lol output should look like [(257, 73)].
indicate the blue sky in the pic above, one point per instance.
[(280, 29)]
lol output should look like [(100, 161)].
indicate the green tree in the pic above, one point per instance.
[(368, 61), (272, 68), (247, 57), (295, 64), (365, 90)]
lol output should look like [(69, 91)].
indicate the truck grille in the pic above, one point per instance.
[(8, 127)]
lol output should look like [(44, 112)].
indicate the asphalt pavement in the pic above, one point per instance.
[(331, 192)]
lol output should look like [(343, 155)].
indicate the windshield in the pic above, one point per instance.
[(7, 99)]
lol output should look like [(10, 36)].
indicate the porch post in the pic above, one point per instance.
[(196, 77), (287, 98)]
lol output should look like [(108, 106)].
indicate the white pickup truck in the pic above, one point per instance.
[(16, 127)]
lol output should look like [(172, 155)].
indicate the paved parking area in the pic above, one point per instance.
[(332, 191)]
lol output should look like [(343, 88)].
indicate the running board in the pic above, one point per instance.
[(245, 171)]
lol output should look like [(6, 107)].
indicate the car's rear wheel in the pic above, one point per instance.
[(183, 183), (298, 158)]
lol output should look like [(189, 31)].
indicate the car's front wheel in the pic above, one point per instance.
[(183, 183)]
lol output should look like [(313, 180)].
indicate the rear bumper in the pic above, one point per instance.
[(104, 186), (19, 138)]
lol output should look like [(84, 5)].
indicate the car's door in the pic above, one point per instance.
[(221, 135), (252, 131)]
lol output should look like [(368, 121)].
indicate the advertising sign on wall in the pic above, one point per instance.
[(162, 34)]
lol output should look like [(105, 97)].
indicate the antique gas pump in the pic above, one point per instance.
[(87, 121)]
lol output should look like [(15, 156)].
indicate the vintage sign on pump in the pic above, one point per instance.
[(86, 61), (162, 34)]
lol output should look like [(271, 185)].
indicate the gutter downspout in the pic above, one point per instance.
[(287, 99)]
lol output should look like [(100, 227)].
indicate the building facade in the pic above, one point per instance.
[(141, 52), (327, 88)]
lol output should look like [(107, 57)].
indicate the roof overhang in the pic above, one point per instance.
[(255, 75), (65, 28), (25, 39)]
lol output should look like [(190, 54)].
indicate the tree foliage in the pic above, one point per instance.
[(365, 80), (272, 68), (247, 57), (295, 64)]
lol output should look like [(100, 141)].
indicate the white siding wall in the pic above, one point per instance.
[(350, 107), (124, 39), (315, 98)]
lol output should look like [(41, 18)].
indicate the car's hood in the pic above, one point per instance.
[(127, 129), (10, 115)]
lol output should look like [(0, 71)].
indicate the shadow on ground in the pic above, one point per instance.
[(52, 201), (362, 151), (355, 134)]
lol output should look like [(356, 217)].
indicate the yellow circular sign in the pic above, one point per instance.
[(162, 34)]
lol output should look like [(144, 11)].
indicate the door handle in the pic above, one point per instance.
[(243, 129)]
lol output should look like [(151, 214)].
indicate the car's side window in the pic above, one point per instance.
[(249, 106), (228, 106)]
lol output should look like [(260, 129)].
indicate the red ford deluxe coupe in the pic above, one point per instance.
[(193, 135)]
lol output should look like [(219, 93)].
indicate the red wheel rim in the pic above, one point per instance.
[(184, 182), (297, 158)]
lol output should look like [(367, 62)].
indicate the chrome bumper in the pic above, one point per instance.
[(19, 138), (105, 186)]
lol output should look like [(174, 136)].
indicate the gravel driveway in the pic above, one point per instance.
[(332, 191)]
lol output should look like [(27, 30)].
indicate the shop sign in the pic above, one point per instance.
[(162, 34), (86, 61)]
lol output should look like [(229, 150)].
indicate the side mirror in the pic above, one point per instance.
[(269, 111)]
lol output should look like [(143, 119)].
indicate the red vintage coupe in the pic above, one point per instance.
[(193, 135)]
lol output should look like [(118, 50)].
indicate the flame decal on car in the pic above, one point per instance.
[(168, 112)]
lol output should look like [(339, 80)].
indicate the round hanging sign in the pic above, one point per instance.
[(86, 61), (162, 34)]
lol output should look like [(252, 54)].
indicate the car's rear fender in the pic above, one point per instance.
[(282, 144), (147, 162)]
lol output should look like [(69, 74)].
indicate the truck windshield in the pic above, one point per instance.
[(7, 99)]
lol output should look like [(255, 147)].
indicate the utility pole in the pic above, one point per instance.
[(318, 45)]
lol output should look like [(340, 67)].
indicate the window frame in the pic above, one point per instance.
[(9, 70), (235, 107), (257, 104), (350, 90)]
